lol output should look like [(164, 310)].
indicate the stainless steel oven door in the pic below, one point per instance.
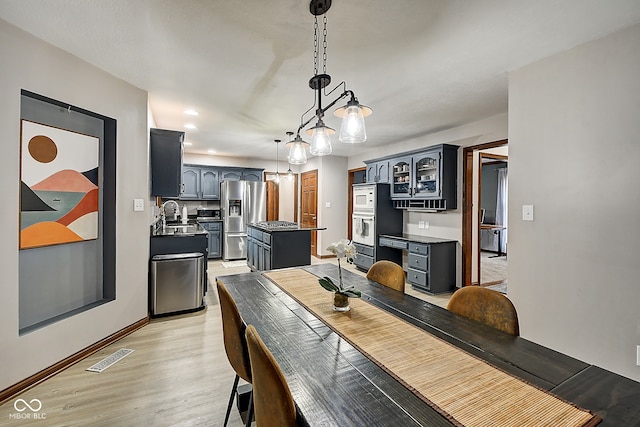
[(363, 231)]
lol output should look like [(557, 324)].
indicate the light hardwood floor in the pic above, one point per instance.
[(178, 375)]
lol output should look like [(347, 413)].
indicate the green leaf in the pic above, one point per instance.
[(326, 283), (352, 293)]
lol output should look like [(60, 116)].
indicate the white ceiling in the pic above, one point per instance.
[(422, 65)]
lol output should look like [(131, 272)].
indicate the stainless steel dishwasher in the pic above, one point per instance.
[(177, 283)]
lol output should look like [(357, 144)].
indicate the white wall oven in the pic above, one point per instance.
[(364, 215), (364, 229)]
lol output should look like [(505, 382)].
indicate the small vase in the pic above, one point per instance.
[(340, 302)]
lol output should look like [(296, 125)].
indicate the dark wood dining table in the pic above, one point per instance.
[(334, 384)]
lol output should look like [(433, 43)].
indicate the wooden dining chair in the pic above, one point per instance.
[(387, 273), (485, 306), (235, 345), (273, 403)]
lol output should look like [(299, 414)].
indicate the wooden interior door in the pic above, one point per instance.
[(273, 198), (309, 204)]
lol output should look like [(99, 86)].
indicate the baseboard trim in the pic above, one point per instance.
[(60, 366)]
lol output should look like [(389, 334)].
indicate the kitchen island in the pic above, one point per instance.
[(278, 244)]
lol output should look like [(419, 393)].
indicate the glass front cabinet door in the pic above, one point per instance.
[(426, 174), (402, 181)]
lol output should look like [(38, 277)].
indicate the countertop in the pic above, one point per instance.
[(417, 238), (192, 228), (297, 227)]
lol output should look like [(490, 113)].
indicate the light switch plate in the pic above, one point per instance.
[(138, 205), (638, 355), (527, 212), (420, 224)]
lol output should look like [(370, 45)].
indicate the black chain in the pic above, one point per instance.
[(324, 45), (315, 45)]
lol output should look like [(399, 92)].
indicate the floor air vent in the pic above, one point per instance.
[(110, 360)]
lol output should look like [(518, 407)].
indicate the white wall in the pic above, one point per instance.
[(573, 154), (332, 190), (28, 63)]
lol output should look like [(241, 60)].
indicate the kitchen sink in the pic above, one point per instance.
[(185, 228)]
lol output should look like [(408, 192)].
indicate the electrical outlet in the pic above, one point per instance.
[(527, 212), (426, 225), (420, 224)]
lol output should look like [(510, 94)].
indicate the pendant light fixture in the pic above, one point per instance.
[(352, 129), (297, 150), (289, 173)]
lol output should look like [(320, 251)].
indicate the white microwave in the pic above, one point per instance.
[(364, 197)]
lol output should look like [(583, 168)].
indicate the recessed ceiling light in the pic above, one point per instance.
[(190, 126), (211, 151), (188, 143), (191, 113)]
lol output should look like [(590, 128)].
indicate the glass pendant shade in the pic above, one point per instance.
[(320, 139), (289, 174), (352, 130), (297, 153)]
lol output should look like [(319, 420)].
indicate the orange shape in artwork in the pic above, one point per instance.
[(65, 180), (43, 149), (46, 234), (88, 204)]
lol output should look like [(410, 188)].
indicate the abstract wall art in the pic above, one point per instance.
[(59, 195)]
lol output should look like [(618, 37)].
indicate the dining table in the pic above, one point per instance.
[(396, 360)]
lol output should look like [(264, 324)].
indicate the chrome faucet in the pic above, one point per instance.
[(163, 213)]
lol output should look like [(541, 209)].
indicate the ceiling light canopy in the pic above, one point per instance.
[(352, 129)]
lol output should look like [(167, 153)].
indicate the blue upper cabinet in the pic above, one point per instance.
[(378, 172), (166, 162), (190, 182), (200, 183), (421, 179), (210, 183), (241, 174), (203, 182)]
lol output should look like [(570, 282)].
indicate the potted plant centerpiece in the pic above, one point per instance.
[(341, 249)]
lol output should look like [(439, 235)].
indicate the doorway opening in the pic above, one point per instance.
[(479, 220), (282, 197)]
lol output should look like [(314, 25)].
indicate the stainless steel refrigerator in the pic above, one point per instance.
[(241, 203)]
